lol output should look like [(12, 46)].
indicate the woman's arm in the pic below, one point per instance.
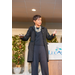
[(28, 34), (48, 36)]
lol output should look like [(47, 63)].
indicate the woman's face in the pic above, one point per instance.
[(38, 22)]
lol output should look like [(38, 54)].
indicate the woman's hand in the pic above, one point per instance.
[(21, 36), (54, 32)]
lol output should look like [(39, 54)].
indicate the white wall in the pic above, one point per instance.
[(17, 31)]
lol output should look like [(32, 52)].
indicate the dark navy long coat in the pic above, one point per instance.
[(31, 33)]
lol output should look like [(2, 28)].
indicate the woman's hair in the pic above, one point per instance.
[(35, 17)]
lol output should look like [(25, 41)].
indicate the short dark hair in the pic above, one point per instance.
[(35, 17)]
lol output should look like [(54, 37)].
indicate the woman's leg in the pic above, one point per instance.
[(34, 64), (43, 61)]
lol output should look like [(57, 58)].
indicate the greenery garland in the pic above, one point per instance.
[(54, 40)]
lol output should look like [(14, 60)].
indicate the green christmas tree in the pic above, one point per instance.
[(18, 48)]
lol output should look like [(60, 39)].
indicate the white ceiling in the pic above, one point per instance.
[(50, 10)]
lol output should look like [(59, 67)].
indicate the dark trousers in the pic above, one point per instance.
[(39, 55)]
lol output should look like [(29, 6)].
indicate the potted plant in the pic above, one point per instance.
[(18, 48)]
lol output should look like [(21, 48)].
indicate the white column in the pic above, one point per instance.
[(26, 63)]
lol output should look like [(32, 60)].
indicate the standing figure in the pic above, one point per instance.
[(37, 48)]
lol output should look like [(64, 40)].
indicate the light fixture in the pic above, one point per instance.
[(33, 9)]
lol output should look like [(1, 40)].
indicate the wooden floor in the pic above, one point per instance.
[(55, 67)]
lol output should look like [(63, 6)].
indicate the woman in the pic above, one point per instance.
[(38, 49)]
